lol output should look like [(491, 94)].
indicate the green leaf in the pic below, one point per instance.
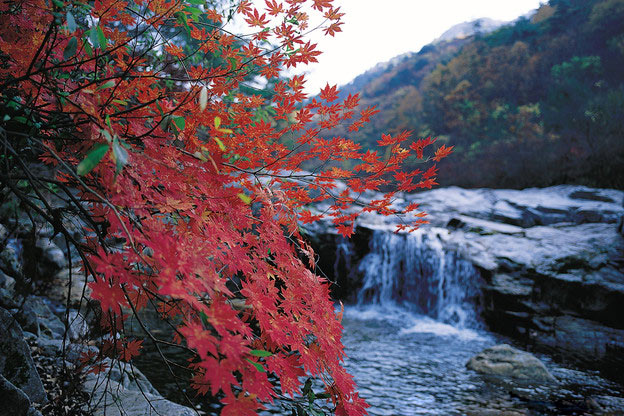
[(107, 84), (233, 64), (121, 156), (88, 49), (220, 143), (165, 123), (180, 122), (71, 22), (217, 122), (257, 365), (101, 38), (93, 36), (204, 318), (198, 2), (107, 135), (181, 18), (94, 157), (245, 198), (307, 386), (194, 11), (70, 49), (260, 353)]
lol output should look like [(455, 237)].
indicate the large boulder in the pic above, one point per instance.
[(112, 398), (14, 401), (508, 362), (16, 363)]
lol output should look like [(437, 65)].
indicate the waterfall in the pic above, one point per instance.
[(414, 271)]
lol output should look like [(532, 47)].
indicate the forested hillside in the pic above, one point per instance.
[(534, 103)]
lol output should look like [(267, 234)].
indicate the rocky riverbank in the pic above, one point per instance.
[(550, 263), (46, 338)]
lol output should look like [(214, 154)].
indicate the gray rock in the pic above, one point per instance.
[(10, 257), (6, 282), (36, 316), (14, 401), (508, 362), (78, 326), (53, 257), (50, 347), (74, 352), (128, 376), (33, 412), (16, 364), (111, 398), (79, 289), (7, 299)]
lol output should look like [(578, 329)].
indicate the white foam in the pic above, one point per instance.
[(410, 323), (430, 326)]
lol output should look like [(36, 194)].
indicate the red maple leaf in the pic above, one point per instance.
[(442, 152)]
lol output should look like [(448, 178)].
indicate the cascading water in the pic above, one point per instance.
[(415, 272)]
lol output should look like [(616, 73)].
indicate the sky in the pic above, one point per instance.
[(375, 31)]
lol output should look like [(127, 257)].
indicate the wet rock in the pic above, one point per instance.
[(14, 401), (16, 364), (508, 362)]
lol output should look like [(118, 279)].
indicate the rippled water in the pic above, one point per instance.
[(406, 364)]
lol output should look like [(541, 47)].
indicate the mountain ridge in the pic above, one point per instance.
[(536, 102)]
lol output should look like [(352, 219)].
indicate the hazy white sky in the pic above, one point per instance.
[(378, 30)]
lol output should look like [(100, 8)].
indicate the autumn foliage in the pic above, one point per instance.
[(189, 178)]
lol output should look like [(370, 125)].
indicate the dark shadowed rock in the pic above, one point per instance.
[(13, 401), (35, 316), (16, 364), (508, 362), (52, 257)]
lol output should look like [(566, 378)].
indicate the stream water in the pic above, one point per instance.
[(409, 364), (416, 324)]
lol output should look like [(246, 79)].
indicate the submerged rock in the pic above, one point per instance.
[(506, 361)]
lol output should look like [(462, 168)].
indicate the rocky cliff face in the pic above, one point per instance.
[(551, 263)]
